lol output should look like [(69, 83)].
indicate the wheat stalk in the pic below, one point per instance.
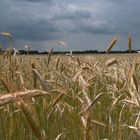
[(129, 44), (38, 131), (11, 97), (34, 76), (113, 42), (49, 57)]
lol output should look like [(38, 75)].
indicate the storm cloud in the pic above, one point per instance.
[(49, 20), (37, 1)]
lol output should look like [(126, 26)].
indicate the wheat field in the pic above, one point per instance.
[(70, 97)]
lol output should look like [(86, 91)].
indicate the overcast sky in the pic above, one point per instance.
[(82, 24)]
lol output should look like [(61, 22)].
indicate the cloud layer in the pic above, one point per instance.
[(49, 20)]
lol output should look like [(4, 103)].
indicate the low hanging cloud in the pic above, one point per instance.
[(77, 20), (45, 20), (38, 25), (73, 15), (62, 43), (37, 1)]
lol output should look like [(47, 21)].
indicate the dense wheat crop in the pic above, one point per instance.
[(70, 97)]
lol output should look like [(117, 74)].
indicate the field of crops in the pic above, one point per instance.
[(70, 97)]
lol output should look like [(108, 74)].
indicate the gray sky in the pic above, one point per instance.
[(83, 24)]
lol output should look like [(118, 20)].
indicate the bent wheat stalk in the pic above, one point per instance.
[(8, 98), (111, 45), (38, 131), (91, 103)]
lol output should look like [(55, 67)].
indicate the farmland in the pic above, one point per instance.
[(70, 97)]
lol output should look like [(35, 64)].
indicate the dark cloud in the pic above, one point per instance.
[(81, 21), (96, 27), (44, 20), (27, 25), (73, 15), (39, 26), (38, 30), (38, 1)]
